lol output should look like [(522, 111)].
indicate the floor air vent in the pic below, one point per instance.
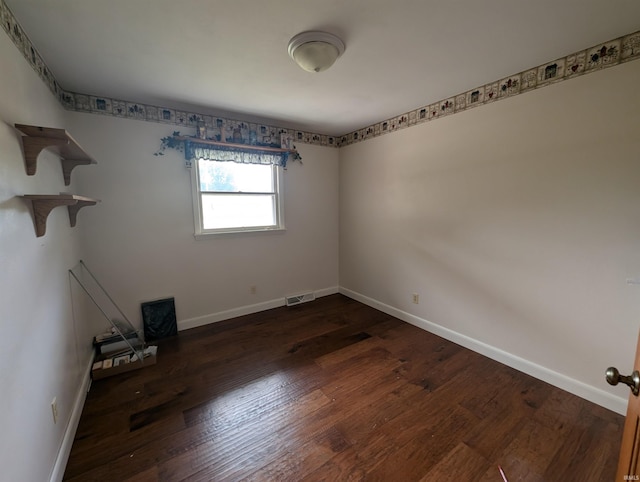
[(297, 299)]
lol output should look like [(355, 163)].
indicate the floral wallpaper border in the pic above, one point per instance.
[(607, 54)]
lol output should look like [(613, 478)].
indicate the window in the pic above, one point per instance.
[(236, 197)]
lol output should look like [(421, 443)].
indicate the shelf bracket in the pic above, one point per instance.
[(69, 164), (33, 146), (74, 208), (41, 210), (43, 205)]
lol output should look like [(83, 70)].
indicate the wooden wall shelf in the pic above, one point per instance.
[(44, 203), (36, 139)]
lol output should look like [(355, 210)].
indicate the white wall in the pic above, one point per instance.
[(140, 239), (517, 223), (40, 357)]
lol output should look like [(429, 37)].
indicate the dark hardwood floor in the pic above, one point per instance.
[(334, 390)]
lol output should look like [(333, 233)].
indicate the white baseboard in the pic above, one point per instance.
[(582, 390), (72, 426), (244, 310)]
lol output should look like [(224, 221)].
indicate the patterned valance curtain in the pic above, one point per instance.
[(193, 150)]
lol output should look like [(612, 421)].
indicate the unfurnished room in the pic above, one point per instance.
[(319, 241)]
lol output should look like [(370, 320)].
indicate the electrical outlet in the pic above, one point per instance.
[(54, 409), (253, 290), (416, 298)]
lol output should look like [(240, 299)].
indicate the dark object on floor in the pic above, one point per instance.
[(159, 319)]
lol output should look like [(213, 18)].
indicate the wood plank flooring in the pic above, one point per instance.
[(334, 390)]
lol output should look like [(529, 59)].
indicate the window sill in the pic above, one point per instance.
[(238, 232)]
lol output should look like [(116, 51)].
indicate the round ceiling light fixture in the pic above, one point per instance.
[(315, 51)]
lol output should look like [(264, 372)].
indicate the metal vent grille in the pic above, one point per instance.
[(302, 298)]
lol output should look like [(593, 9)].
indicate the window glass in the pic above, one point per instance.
[(232, 197), (224, 211), (234, 177)]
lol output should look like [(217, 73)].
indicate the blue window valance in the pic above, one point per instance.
[(194, 150)]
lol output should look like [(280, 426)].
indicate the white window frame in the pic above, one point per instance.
[(200, 232)]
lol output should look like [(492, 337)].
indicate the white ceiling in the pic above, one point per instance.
[(229, 57)]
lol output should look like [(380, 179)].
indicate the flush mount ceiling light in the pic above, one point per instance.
[(315, 51)]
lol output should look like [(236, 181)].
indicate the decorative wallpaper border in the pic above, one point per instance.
[(216, 126), (596, 58), (21, 41), (607, 54)]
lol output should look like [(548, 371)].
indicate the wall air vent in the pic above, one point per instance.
[(297, 299)]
